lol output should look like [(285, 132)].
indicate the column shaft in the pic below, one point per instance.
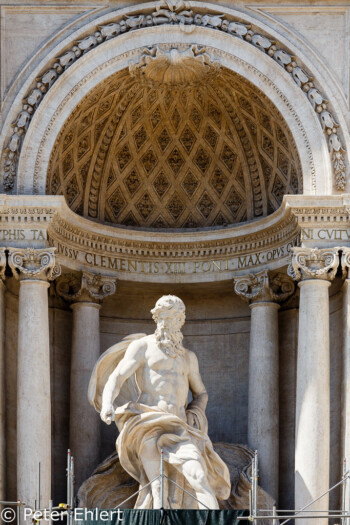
[(2, 391), (84, 291), (346, 381), (263, 412), (33, 394), (313, 397), (84, 422)]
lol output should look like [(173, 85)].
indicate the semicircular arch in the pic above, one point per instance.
[(114, 54)]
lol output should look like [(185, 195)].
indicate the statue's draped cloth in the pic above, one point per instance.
[(139, 423)]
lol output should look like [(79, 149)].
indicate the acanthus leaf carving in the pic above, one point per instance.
[(264, 287), (85, 287), (35, 264), (314, 263), (2, 263), (345, 262)]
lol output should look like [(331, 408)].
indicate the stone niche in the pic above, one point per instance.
[(140, 150)]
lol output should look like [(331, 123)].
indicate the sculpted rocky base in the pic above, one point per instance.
[(109, 485)]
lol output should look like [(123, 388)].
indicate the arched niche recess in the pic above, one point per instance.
[(234, 54), (144, 153)]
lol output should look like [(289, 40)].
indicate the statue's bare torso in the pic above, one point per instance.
[(163, 381)]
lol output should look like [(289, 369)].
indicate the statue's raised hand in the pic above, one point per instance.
[(107, 413)]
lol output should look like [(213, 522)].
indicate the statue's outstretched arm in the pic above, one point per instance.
[(131, 361)]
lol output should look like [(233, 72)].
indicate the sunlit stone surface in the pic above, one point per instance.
[(176, 147)]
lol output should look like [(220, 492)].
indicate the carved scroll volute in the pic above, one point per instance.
[(85, 287), (264, 287), (29, 263), (313, 263)]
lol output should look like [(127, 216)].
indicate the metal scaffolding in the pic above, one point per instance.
[(44, 513), (276, 515), (255, 514)]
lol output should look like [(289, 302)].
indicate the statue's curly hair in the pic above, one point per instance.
[(172, 304)]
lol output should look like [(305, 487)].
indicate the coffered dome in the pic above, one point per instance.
[(145, 155)]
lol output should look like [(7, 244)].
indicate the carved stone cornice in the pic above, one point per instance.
[(85, 287), (173, 246), (193, 256), (264, 287), (313, 263), (32, 264)]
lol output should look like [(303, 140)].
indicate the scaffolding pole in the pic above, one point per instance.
[(343, 493), (255, 514), (275, 514)]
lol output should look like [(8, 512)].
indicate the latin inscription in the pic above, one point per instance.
[(312, 234), (188, 266), (14, 235)]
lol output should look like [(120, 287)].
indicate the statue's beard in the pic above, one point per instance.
[(170, 342)]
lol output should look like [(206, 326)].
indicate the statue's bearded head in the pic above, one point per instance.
[(169, 314)]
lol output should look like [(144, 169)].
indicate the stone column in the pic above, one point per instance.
[(2, 373), (34, 268), (314, 269), (345, 435), (264, 291), (85, 293)]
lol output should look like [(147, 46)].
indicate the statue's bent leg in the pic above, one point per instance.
[(194, 473), (150, 459)]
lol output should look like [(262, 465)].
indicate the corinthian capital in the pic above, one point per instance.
[(345, 261), (29, 263), (2, 263), (264, 287), (85, 287), (312, 263)]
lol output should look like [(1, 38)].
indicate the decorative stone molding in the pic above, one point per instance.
[(173, 66), (169, 12), (32, 264), (63, 232), (264, 287), (168, 257), (313, 263), (85, 287)]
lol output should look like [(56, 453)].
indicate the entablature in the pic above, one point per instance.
[(200, 255)]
